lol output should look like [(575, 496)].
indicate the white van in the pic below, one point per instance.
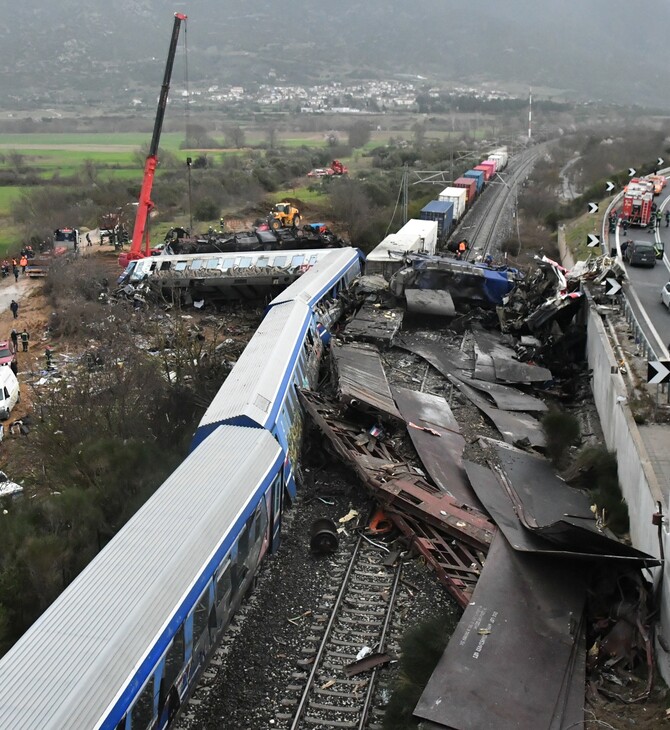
[(9, 392)]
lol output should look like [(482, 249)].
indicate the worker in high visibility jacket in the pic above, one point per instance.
[(462, 248)]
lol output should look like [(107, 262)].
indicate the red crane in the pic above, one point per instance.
[(141, 229)]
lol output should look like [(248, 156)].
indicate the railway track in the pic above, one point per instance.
[(326, 695), (485, 229)]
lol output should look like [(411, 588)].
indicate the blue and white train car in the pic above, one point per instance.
[(283, 354), (122, 646), (260, 389)]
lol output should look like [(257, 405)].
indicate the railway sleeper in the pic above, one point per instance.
[(348, 657), (367, 593), (343, 642), (335, 708), (362, 636), (360, 621), (342, 695), (330, 723), (365, 610)]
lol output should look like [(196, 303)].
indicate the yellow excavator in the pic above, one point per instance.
[(284, 215)]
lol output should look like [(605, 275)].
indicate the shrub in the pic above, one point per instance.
[(561, 431), (206, 210)]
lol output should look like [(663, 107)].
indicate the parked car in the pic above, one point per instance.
[(640, 253), (7, 354), (665, 295)]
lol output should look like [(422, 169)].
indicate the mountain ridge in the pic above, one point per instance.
[(98, 51)]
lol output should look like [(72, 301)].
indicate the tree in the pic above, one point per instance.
[(271, 133), (351, 206), (235, 136), (419, 130), (197, 137), (359, 134)]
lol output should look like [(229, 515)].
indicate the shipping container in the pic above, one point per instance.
[(441, 211), (478, 177), (457, 196), (492, 162), (423, 231), (416, 236), (488, 170), (470, 185), (500, 159), (502, 153)]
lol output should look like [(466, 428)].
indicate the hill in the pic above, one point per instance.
[(70, 52)]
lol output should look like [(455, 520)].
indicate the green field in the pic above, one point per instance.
[(169, 140)]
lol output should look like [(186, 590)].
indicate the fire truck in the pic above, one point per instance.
[(638, 199)]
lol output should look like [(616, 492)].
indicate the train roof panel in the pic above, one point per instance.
[(69, 668), (254, 388), (311, 287)]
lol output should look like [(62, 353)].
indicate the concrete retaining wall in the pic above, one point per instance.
[(638, 481)]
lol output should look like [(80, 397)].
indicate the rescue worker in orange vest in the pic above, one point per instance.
[(462, 248), (23, 263)]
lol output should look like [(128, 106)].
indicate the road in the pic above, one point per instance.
[(645, 284)]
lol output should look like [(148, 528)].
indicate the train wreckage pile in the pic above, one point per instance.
[(548, 591)]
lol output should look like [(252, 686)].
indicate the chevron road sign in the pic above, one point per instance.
[(610, 186), (592, 240), (613, 287), (659, 162), (631, 171), (593, 207), (658, 371)]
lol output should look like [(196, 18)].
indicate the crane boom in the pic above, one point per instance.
[(141, 230)]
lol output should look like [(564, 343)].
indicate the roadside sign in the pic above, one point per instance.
[(592, 240), (613, 286), (659, 162), (631, 171), (658, 371), (610, 186), (593, 207)]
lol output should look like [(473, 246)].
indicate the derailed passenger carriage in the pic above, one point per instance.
[(284, 354), (220, 277), (123, 645)]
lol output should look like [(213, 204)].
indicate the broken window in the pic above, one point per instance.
[(143, 710), (174, 659), (200, 617)]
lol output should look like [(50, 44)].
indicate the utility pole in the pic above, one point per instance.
[(405, 193), (530, 113), (189, 161)]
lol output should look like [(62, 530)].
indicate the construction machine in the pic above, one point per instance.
[(140, 246), (284, 215), (338, 168)]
